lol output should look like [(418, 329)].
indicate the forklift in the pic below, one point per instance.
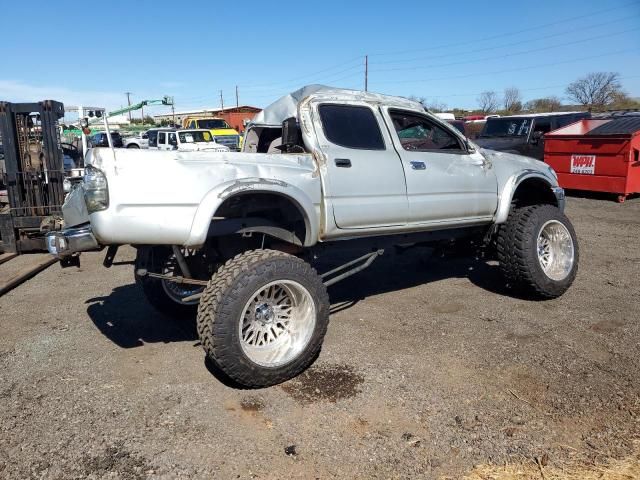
[(33, 174)]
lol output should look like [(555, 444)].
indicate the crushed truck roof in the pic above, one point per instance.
[(287, 106)]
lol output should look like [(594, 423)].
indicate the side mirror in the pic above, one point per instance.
[(470, 147)]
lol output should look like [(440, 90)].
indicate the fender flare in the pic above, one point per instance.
[(216, 196), (510, 187)]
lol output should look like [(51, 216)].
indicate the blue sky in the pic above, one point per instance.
[(448, 52)]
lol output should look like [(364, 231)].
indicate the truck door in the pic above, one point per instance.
[(162, 140), (445, 184), (365, 181)]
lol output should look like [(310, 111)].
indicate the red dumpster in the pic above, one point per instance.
[(599, 155)]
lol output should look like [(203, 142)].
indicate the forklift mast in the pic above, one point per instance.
[(34, 172)]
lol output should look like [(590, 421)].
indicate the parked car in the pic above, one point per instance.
[(187, 140), (222, 132), (524, 134), (141, 140), (459, 125), (100, 140), (231, 234)]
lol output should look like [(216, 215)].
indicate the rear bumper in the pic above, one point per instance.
[(71, 240)]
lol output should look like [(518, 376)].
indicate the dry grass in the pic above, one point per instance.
[(624, 469)]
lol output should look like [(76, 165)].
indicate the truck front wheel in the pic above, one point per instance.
[(262, 317), (538, 250)]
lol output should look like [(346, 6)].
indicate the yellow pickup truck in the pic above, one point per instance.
[(219, 128)]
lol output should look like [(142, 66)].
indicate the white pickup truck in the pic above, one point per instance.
[(233, 234), (187, 140)]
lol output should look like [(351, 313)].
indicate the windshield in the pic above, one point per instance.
[(506, 127), (193, 137), (213, 123)]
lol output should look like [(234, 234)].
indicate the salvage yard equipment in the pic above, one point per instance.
[(34, 173), (599, 155)]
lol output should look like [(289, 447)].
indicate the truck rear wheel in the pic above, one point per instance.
[(538, 250), (262, 317), (166, 296)]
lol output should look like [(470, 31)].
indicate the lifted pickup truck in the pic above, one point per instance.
[(233, 234)]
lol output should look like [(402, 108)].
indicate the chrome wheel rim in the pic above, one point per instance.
[(556, 253), (178, 291), (277, 323)]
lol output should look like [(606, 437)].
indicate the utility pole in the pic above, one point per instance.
[(173, 112), (237, 101), (142, 115), (221, 101), (366, 73), (129, 102)]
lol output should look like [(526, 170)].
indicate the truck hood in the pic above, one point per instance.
[(500, 143), (202, 146), (223, 131)]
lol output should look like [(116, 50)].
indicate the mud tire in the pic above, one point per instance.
[(221, 309)]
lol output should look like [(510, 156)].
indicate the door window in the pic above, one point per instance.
[(418, 133), (162, 138), (351, 126), (172, 139), (153, 138)]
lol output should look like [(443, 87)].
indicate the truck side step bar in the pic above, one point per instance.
[(336, 275), (365, 261)]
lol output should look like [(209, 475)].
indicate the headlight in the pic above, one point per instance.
[(96, 192)]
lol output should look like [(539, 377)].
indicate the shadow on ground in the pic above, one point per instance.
[(127, 319), (399, 271)]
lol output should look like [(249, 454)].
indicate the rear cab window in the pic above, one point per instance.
[(351, 126)]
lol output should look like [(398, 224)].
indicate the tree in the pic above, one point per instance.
[(512, 101), (622, 101), (488, 101), (433, 106), (597, 89), (547, 104)]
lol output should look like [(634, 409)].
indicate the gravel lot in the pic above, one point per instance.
[(429, 368)]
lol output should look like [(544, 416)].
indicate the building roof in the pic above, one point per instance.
[(287, 106), (212, 110)]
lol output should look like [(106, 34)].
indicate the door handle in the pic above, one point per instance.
[(343, 162), (418, 165)]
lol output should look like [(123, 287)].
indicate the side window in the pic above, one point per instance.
[(351, 126), (162, 138), (172, 139), (417, 133), (153, 138), (542, 125)]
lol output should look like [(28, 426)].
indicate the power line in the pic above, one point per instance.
[(507, 34), (506, 45), (547, 87), (476, 74), (523, 52)]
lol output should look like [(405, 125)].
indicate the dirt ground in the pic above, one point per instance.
[(430, 369)]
